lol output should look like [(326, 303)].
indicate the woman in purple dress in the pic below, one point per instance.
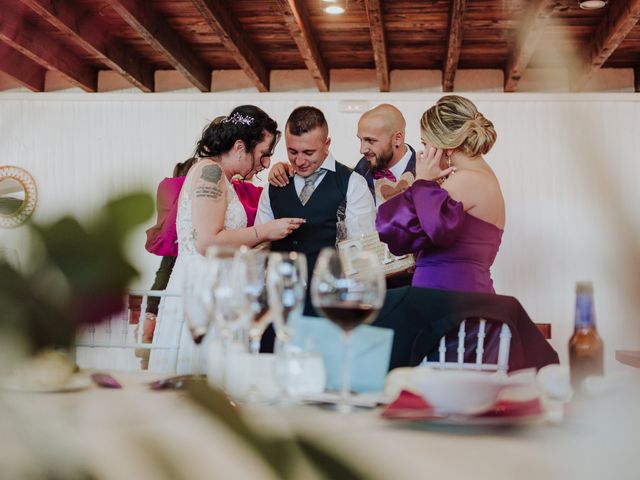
[(452, 217)]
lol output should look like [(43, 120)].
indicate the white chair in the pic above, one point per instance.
[(502, 364), (116, 344)]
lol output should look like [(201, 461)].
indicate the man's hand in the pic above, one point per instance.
[(280, 173)]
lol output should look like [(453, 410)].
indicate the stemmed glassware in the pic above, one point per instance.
[(286, 290), (349, 290), (229, 303), (253, 264), (198, 302)]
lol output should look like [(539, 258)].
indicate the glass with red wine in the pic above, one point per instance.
[(348, 289)]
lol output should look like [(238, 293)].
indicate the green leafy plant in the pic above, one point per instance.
[(76, 274)]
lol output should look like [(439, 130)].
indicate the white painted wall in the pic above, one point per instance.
[(566, 163)]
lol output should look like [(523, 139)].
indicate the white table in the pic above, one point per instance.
[(138, 433)]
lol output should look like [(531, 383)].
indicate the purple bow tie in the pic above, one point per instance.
[(386, 173)]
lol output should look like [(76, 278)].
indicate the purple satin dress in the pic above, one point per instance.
[(454, 250)]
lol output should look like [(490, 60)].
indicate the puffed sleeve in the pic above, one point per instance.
[(422, 217)]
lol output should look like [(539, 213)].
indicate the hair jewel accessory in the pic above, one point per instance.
[(239, 119)]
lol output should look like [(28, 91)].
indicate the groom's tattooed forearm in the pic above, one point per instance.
[(208, 187)]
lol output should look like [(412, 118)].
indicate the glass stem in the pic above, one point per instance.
[(226, 338), (254, 345), (196, 361), (345, 394)]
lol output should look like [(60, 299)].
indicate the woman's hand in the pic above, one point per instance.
[(280, 173), (280, 228), (428, 165)]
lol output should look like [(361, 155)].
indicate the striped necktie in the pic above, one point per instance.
[(309, 186)]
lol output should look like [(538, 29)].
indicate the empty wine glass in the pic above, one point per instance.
[(349, 293), (253, 264), (286, 290), (198, 303), (230, 302)]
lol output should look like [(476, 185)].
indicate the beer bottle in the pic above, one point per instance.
[(585, 345)]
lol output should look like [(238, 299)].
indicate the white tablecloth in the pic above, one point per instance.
[(139, 433)]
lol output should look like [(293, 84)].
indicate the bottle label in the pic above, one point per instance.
[(584, 311)]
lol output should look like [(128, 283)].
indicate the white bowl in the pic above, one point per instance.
[(459, 391)]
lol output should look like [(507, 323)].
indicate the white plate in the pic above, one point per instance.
[(364, 400), (456, 420), (15, 384), (477, 421)]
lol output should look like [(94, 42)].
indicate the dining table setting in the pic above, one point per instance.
[(142, 425), (347, 394)]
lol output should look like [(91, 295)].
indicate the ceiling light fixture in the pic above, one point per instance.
[(334, 7), (592, 4)]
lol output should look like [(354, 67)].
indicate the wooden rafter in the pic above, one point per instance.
[(618, 21), (378, 42), (297, 19), (40, 48), (217, 15), (456, 19), (89, 32), (22, 69), (534, 21), (151, 26)]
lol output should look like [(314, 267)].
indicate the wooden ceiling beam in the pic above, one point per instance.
[(378, 42), (22, 68), (151, 26), (454, 45), (618, 21), (296, 18), (534, 21), (89, 32), (218, 16), (42, 49)]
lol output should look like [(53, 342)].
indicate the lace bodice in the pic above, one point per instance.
[(234, 218)]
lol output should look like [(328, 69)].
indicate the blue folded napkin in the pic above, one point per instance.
[(370, 352)]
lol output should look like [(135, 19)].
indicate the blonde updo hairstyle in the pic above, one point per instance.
[(455, 123)]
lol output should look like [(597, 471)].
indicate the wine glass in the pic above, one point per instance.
[(198, 303), (230, 304), (286, 290), (253, 266), (349, 292)]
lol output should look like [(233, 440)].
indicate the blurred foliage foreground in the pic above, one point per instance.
[(76, 275)]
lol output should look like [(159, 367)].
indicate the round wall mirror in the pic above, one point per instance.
[(18, 196)]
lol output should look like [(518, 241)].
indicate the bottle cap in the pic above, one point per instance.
[(584, 287)]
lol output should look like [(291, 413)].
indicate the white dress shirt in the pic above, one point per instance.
[(359, 200), (399, 168)]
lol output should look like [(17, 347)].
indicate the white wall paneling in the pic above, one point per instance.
[(567, 164)]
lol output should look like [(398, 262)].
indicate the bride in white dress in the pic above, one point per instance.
[(210, 212)]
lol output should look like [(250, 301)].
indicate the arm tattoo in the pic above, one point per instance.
[(211, 173), (209, 188)]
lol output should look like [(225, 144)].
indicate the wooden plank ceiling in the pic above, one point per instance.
[(135, 38)]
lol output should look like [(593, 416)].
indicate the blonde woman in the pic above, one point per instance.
[(452, 218)]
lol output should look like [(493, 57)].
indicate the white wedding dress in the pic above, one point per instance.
[(167, 330)]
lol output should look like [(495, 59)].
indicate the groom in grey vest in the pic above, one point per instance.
[(322, 192)]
